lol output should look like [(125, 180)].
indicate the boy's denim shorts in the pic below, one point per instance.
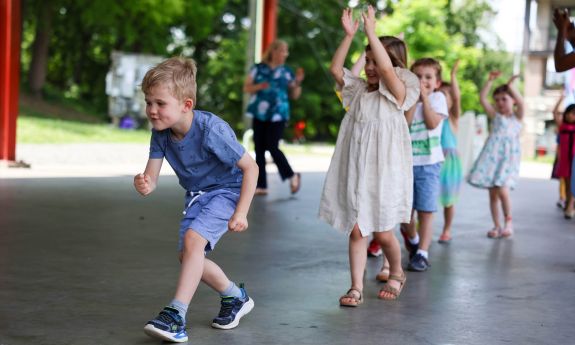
[(426, 187), (208, 215)]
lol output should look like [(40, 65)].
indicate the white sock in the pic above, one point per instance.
[(232, 291), (414, 240), (423, 253), (181, 307)]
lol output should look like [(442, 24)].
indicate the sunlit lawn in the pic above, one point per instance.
[(40, 130), (36, 130)]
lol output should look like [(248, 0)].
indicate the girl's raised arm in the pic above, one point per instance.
[(455, 92), (358, 65), (350, 27), (483, 94), (557, 114), (382, 60), (517, 97), (563, 61)]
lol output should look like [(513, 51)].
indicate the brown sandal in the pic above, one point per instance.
[(355, 301), (390, 289), (383, 275)]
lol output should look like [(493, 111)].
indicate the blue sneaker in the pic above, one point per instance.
[(168, 325), (232, 310), (418, 263)]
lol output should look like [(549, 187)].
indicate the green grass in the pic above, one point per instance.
[(547, 159), (39, 130)]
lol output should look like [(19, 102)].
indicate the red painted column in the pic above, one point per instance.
[(9, 76), (270, 23)]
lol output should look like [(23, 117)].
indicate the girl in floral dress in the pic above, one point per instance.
[(497, 167)]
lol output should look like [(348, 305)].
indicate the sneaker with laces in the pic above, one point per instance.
[(232, 310), (418, 263), (168, 325), (374, 249)]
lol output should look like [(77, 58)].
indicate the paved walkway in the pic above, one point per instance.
[(85, 260)]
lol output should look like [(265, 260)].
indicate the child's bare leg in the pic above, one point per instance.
[(192, 269), (494, 206), (410, 228), (448, 214), (392, 251), (569, 199), (357, 260), (385, 261), (214, 277), (425, 229), (505, 203)]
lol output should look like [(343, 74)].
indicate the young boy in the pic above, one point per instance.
[(425, 131), (219, 178)]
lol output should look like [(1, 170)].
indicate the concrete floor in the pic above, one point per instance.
[(88, 261)]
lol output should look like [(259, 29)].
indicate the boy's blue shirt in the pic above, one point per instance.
[(206, 158)]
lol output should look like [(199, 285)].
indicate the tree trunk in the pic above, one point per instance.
[(40, 47)]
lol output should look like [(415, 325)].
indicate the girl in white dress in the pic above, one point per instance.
[(369, 184)]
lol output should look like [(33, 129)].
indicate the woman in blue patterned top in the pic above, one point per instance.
[(271, 84)]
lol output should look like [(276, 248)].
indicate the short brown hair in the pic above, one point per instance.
[(428, 62), (503, 89), (177, 73), (395, 48)]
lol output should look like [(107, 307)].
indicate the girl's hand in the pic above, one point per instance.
[(494, 75), (349, 25), (238, 222), (142, 184), (369, 19), (425, 90), (561, 20), (455, 68), (512, 79)]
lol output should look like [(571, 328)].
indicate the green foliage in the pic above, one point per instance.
[(84, 34)]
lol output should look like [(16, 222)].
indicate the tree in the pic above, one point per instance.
[(214, 33)]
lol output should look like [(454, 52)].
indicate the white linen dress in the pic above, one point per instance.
[(370, 177)]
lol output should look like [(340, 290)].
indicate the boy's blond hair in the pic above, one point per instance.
[(428, 62), (177, 73)]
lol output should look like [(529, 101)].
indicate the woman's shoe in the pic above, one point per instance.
[(261, 191), (569, 214), (295, 183)]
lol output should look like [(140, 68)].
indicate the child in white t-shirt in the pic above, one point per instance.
[(425, 132)]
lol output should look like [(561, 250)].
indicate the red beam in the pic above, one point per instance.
[(270, 23), (9, 76)]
